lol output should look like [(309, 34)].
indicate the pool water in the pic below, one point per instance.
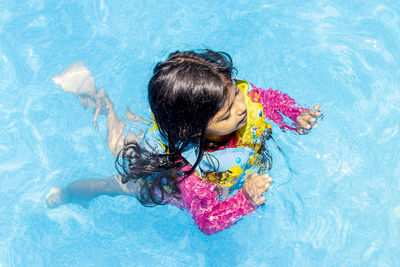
[(335, 198)]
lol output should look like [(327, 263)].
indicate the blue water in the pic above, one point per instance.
[(339, 206)]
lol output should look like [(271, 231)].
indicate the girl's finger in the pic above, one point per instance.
[(265, 179), (314, 113), (317, 107), (262, 179), (303, 123), (260, 200), (260, 183), (262, 189), (309, 118)]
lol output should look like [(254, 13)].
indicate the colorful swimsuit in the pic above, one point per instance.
[(212, 194)]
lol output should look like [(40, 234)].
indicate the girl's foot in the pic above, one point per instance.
[(55, 197), (76, 79)]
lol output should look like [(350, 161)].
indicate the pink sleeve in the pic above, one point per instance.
[(211, 215), (275, 104)]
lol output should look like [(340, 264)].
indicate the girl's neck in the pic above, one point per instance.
[(217, 142), (218, 138)]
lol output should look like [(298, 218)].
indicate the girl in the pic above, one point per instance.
[(206, 148)]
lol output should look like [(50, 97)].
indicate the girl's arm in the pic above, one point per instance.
[(86, 189), (276, 104), (212, 215)]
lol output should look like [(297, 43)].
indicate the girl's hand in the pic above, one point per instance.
[(254, 186), (306, 120)]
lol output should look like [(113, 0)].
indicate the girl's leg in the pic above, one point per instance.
[(77, 79), (86, 189), (116, 138)]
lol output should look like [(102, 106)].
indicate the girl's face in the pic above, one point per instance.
[(231, 117)]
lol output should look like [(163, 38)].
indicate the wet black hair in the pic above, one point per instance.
[(184, 93)]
